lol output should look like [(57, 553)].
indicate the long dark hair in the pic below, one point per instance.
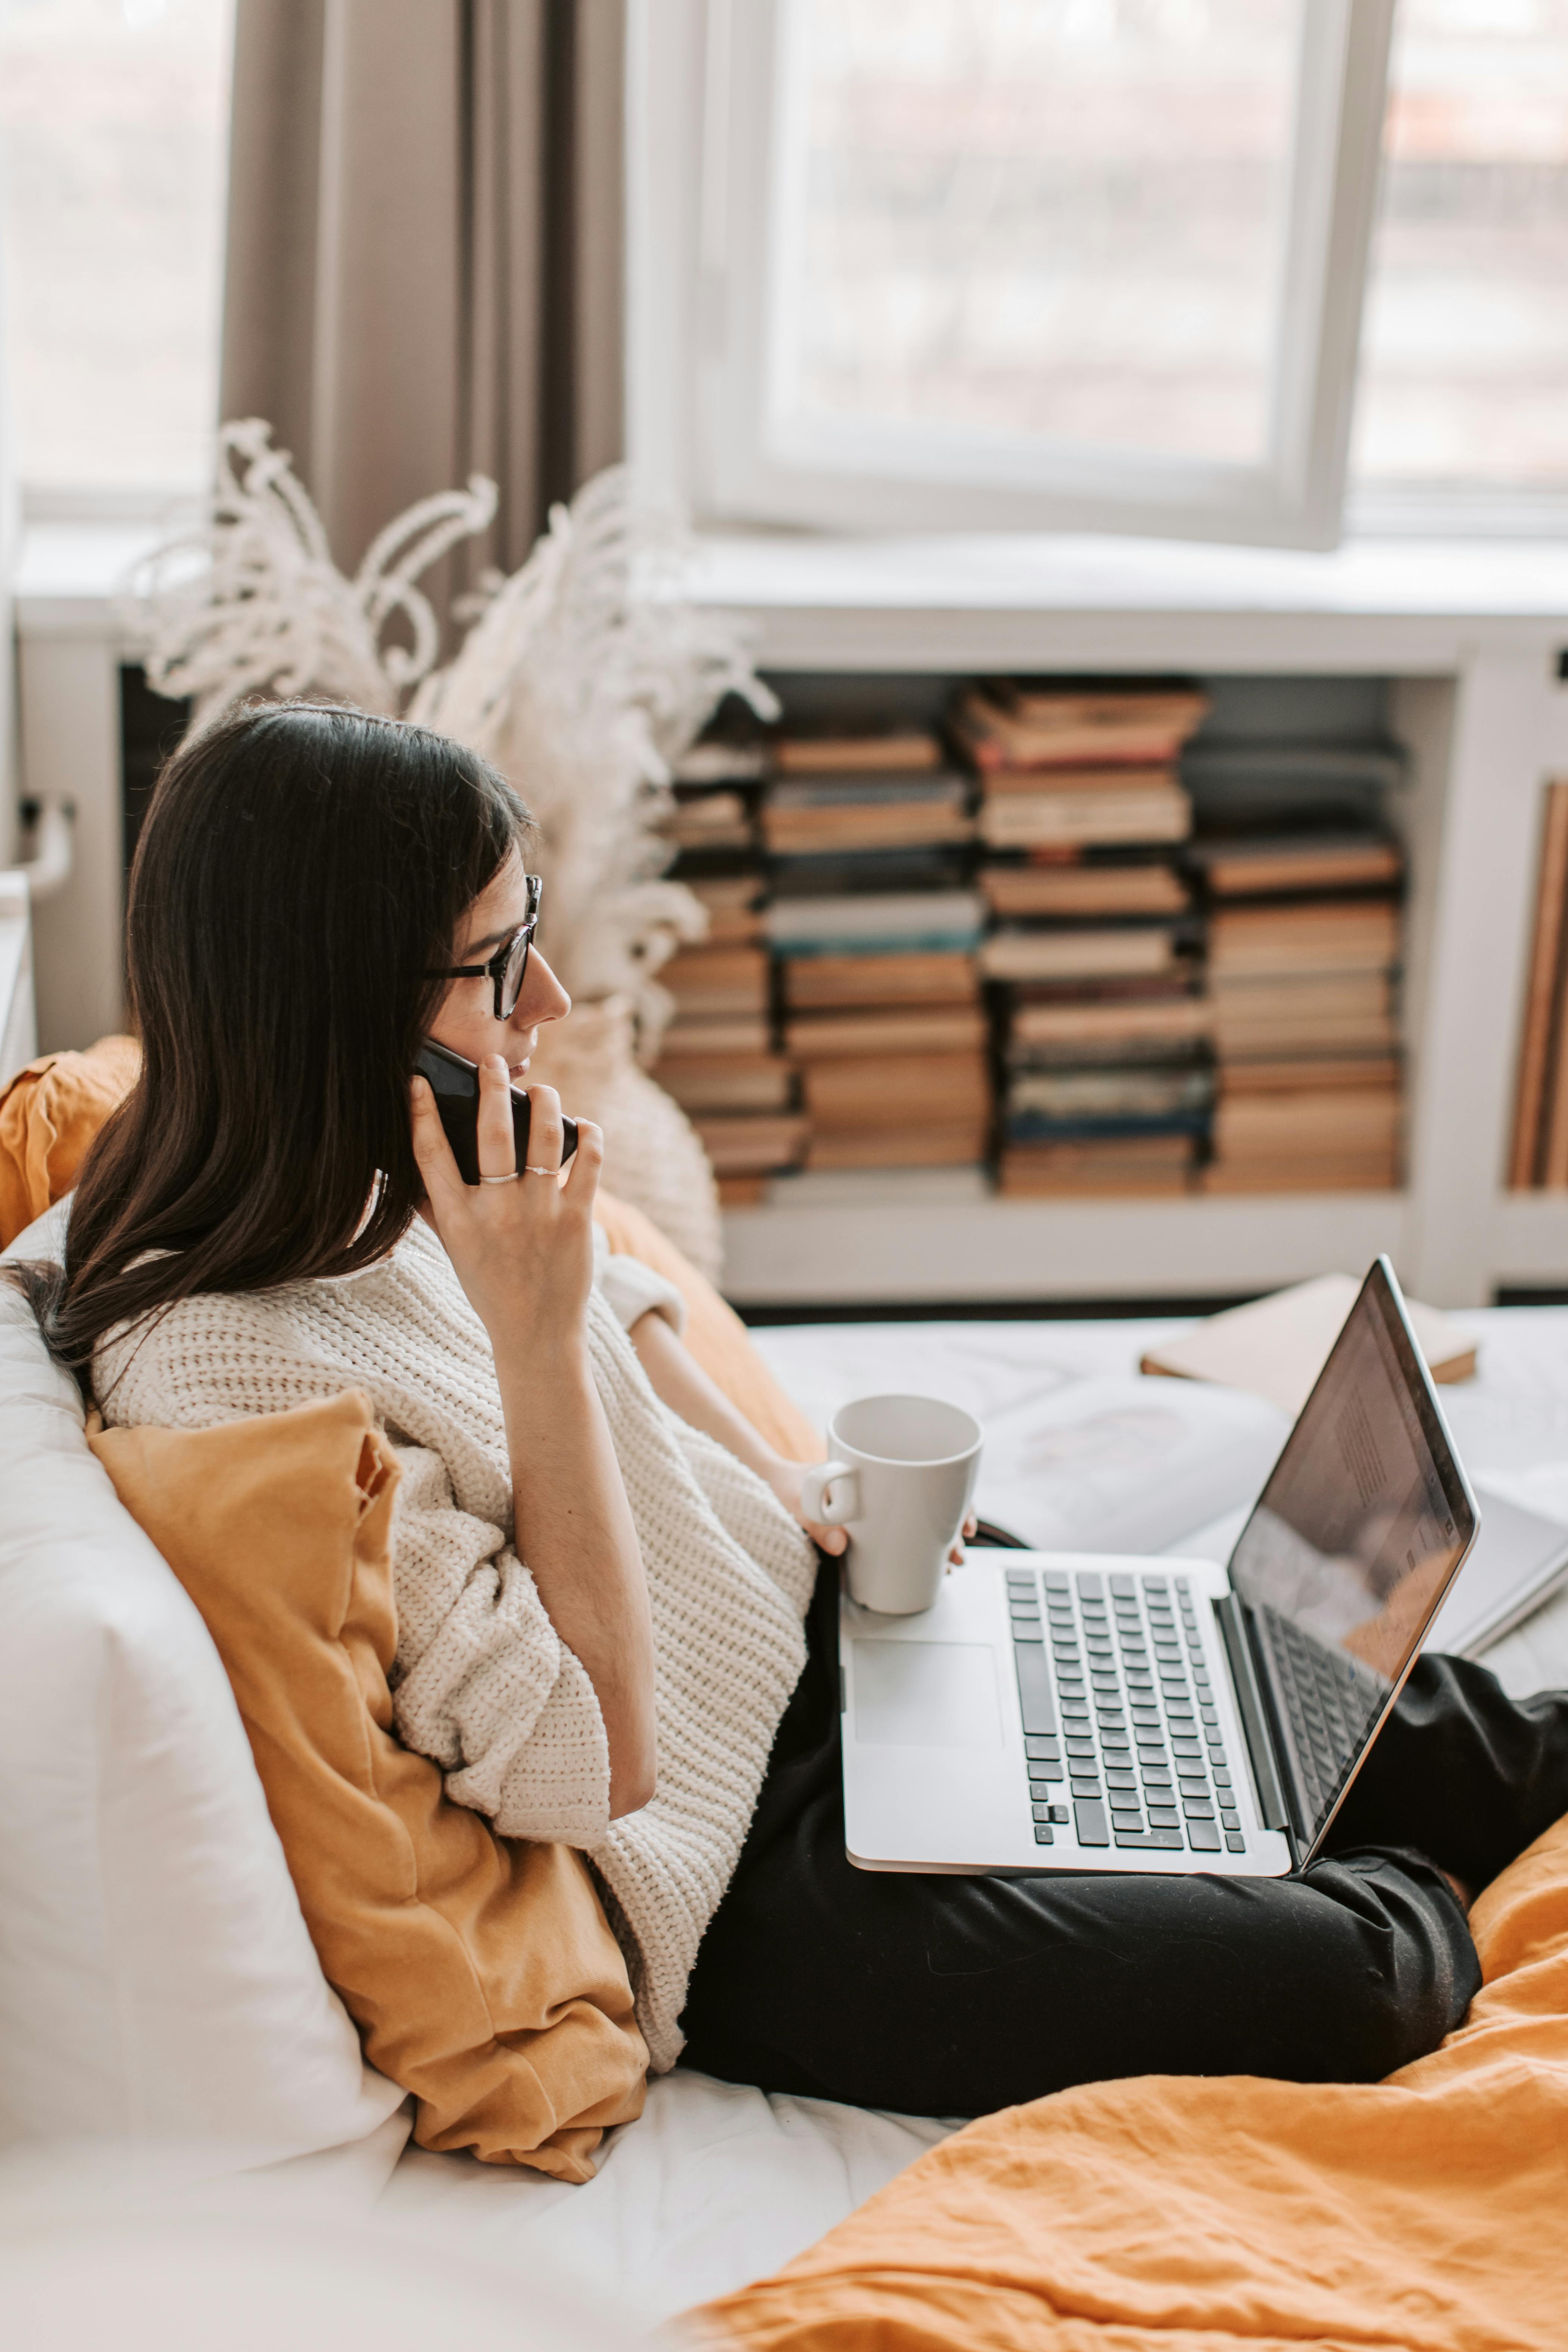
[(302, 871)]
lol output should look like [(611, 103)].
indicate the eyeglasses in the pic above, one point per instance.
[(506, 969)]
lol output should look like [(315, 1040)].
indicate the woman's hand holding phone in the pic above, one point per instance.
[(523, 1249), (522, 1243)]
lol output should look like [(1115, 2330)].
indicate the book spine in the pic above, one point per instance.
[(1543, 1001)]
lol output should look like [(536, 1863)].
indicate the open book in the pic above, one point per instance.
[(1275, 1346)]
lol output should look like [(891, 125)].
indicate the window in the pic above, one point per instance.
[(113, 137), (1463, 372), (1096, 264), (1034, 224)]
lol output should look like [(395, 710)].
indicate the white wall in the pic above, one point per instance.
[(10, 543)]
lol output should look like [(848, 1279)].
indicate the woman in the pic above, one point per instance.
[(601, 1573)]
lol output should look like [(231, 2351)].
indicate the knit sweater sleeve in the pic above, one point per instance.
[(631, 1289), (486, 1686)]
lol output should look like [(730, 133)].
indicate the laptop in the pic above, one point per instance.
[(1087, 1711)]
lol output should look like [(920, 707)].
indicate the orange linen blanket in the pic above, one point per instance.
[(1428, 2213)]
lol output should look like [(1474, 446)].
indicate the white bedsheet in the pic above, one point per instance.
[(716, 2185), (712, 2186)]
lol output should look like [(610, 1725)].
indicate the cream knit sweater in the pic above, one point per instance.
[(482, 1682)]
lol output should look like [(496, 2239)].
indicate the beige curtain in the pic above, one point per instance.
[(424, 274)]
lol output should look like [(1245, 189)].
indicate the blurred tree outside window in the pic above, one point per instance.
[(1464, 367), (1066, 221), (1066, 218)]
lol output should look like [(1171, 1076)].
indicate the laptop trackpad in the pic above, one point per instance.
[(925, 1694)]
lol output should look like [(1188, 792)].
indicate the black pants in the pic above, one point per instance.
[(956, 1995)]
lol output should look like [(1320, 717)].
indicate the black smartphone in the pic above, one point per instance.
[(455, 1087)]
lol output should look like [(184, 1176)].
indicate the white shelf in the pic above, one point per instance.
[(18, 1031), (1469, 631), (897, 1248)]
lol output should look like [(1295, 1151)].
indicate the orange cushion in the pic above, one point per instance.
[(48, 1115), (480, 1969)]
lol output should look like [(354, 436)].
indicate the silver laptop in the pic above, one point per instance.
[(1083, 1711)]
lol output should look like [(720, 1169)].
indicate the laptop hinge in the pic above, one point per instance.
[(1272, 1807)]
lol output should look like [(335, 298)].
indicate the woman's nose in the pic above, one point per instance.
[(542, 998)]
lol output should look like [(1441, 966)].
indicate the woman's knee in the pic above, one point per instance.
[(1413, 1971)]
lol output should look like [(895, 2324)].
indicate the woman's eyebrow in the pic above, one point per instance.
[(490, 939)]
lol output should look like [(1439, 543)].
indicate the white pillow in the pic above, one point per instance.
[(155, 1974)]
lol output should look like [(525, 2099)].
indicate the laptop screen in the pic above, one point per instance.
[(1365, 1519)]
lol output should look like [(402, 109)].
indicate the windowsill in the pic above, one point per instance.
[(71, 576), (157, 505), (1033, 601), (1479, 578), (1025, 602)]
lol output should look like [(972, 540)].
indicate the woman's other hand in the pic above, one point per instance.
[(687, 1389), (786, 1479), (523, 1249)]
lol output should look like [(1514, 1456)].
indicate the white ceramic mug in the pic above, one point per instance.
[(901, 1472)]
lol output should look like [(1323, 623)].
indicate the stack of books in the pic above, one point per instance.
[(1064, 767), (1537, 1156), (1105, 1094), (719, 1057), (1304, 948), (835, 816), (1100, 1040), (875, 926)]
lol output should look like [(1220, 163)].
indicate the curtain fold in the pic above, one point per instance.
[(425, 251)]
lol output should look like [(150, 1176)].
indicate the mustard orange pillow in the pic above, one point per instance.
[(480, 1969), (48, 1115)]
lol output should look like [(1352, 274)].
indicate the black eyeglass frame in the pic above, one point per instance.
[(494, 968)]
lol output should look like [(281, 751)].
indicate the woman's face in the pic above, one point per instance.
[(466, 1022)]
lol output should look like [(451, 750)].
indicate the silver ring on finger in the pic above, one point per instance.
[(528, 1169), (509, 1178)]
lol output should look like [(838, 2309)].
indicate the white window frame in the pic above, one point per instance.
[(703, 160)]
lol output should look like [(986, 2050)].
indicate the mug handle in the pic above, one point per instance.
[(830, 1510)]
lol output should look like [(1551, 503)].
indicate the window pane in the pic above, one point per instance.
[(1464, 371), (1063, 218), (113, 122)]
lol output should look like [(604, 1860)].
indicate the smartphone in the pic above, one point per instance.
[(455, 1087)]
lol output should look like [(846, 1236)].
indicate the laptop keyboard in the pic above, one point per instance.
[(1328, 1698), (1120, 1731)]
